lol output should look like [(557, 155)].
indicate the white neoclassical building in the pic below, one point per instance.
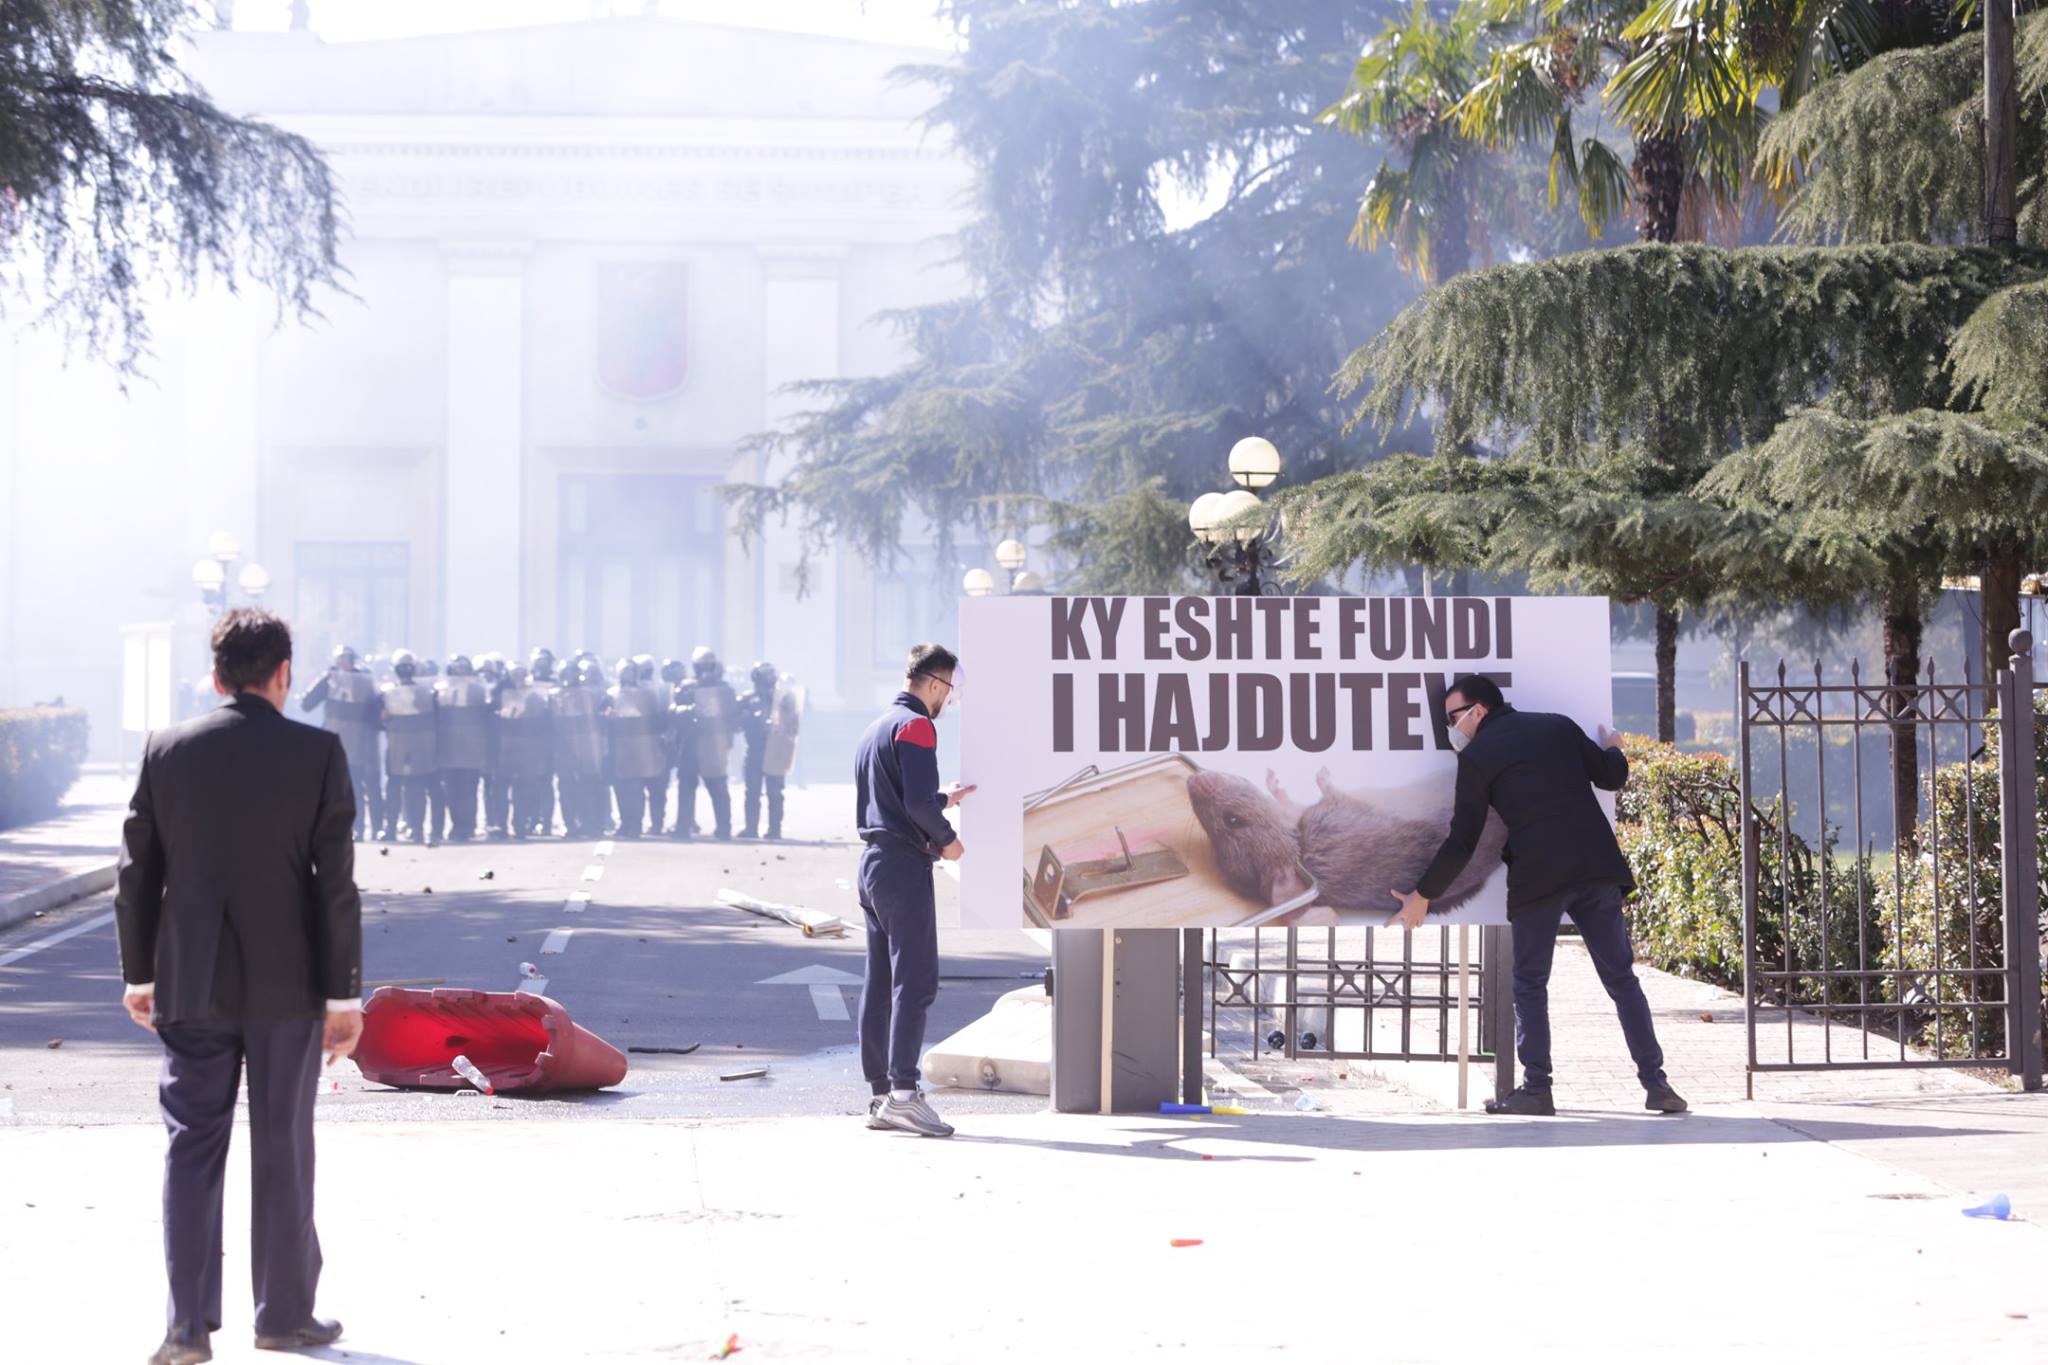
[(584, 258)]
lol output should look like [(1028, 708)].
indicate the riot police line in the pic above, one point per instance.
[(510, 751)]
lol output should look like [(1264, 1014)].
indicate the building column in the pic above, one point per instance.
[(482, 586), (800, 340)]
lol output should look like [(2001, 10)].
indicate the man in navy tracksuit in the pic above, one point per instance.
[(902, 818)]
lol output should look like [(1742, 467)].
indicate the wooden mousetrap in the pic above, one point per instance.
[(1144, 801), (1059, 884)]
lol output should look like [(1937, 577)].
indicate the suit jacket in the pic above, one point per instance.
[(237, 893), (1538, 770)]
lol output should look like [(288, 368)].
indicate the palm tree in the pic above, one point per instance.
[(1406, 88)]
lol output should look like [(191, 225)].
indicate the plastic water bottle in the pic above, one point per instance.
[(1305, 1104), (469, 1072), (1998, 1206)]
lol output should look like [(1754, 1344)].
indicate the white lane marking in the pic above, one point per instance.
[(557, 941), (594, 873), (604, 848), (828, 1002), (578, 902), (96, 922), (532, 985), (6, 1106)]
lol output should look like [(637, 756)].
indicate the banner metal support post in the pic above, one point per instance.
[(1110, 938), (1191, 1016), (1464, 1011)]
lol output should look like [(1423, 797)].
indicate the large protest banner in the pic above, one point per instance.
[(1234, 761)]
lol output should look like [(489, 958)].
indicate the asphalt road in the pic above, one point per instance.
[(652, 960)]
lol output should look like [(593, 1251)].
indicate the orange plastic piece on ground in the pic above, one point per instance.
[(521, 1041)]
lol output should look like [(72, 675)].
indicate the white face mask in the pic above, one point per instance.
[(1459, 739)]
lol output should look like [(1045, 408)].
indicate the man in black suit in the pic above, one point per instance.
[(241, 942), (1539, 770)]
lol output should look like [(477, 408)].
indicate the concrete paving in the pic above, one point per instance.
[(55, 861), (1033, 1236)]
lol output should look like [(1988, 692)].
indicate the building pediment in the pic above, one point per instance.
[(644, 67)]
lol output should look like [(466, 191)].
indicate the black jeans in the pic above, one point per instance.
[(202, 1070), (903, 963), (1596, 909)]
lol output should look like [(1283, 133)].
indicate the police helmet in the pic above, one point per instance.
[(672, 670), (344, 656), (404, 664), (704, 663), (461, 667), (763, 675), (541, 663), (627, 671)]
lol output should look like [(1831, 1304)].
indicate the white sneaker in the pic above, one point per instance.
[(915, 1115), (875, 1114)]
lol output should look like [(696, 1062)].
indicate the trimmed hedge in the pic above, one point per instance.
[(1680, 826), (40, 750)]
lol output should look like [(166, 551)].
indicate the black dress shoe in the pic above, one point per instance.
[(183, 1351), (315, 1333), (1663, 1099), (1522, 1100)]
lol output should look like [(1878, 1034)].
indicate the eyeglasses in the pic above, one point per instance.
[(937, 679), (1453, 714)]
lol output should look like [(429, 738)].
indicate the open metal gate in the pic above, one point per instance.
[(1925, 953)]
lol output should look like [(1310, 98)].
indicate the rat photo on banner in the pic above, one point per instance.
[(1228, 762)]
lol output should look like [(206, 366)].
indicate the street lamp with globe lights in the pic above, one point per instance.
[(1231, 544), (1011, 555), (210, 575)]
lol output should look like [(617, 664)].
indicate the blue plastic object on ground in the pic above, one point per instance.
[(1997, 1206)]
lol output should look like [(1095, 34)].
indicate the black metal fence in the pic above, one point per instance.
[(1365, 994), (1927, 954)]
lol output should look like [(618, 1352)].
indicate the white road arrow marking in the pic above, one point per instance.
[(557, 941), (824, 983)]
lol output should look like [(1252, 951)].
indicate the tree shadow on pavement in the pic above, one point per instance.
[(1162, 1139)]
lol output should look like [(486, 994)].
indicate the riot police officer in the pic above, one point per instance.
[(768, 719), (717, 712), (526, 761), (490, 671), (409, 725), (634, 722), (579, 752), (682, 745), (351, 708), (462, 721), (648, 674)]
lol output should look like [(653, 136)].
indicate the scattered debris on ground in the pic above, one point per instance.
[(671, 1051), (752, 1073), (814, 923)]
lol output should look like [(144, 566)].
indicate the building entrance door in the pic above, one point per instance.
[(642, 565)]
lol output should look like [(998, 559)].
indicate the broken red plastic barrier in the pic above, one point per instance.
[(517, 1041), (731, 1347), (1187, 1241)]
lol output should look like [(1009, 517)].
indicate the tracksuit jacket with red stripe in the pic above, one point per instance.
[(896, 780)]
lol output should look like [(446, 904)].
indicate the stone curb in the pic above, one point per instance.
[(26, 905)]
